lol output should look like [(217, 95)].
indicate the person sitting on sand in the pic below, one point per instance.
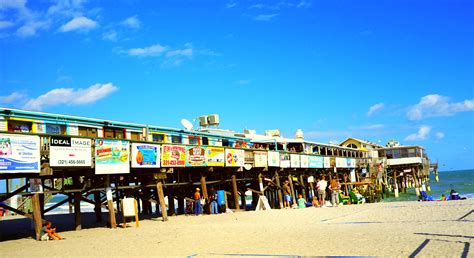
[(315, 202), (48, 232), (301, 202), (443, 197)]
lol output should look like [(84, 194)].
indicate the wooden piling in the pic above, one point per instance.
[(77, 206), (35, 201), (171, 206), (203, 186), (280, 196), (303, 187), (290, 178), (110, 202), (97, 207), (235, 191), (161, 197)]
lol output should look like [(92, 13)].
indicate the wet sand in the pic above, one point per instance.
[(380, 229)]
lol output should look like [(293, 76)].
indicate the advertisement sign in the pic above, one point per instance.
[(285, 160), (234, 158), (19, 154), (70, 152), (341, 162), (327, 162), (304, 161), (215, 156), (295, 160), (173, 156), (273, 159), (112, 156), (195, 156), (316, 162), (249, 157), (351, 163), (145, 155), (260, 159)]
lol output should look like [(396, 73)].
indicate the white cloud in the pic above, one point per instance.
[(15, 96), (154, 50), (132, 22), (375, 108), (434, 105), (30, 29), (6, 24), (70, 96), (79, 23), (231, 5), (422, 133), (303, 4), (242, 82), (110, 35), (367, 127), (66, 8), (265, 17), (12, 4), (256, 6), (439, 135), (187, 52)]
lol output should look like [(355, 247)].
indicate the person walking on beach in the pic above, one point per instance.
[(321, 186), (335, 187), (197, 202), (286, 194)]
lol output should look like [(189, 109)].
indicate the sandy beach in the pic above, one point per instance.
[(380, 229)]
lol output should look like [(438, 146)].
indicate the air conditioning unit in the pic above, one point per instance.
[(203, 121), (251, 132), (213, 119), (273, 133)]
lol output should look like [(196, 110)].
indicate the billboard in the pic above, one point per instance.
[(234, 158), (70, 152), (19, 154), (173, 156), (304, 161), (295, 160), (341, 162), (112, 156), (273, 159), (215, 156), (145, 155), (316, 162), (260, 159), (327, 162), (195, 156), (285, 160)]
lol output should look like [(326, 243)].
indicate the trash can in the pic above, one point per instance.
[(220, 197)]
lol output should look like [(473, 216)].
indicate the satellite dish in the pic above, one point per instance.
[(188, 125), (248, 167)]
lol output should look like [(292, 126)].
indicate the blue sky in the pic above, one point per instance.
[(375, 70)]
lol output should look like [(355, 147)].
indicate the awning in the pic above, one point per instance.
[(363, 149)]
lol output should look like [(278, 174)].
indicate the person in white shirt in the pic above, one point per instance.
[(321, 186)]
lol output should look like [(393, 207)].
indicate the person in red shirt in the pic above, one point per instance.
[(197, 202)]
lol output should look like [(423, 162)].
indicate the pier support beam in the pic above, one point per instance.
[(303, 187), (235, 191), (77, 206), (161, 197), (280, 196), (97, 207), (395, 187), (37, 215), (417, 184), (203, 186), (293, 197), (110, 202), (171, 205)]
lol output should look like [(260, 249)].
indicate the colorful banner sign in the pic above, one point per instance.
[(173, 156), (112, 156), (304, 161), (295, 160), (19, 154), (234, 158), (249, 157), (273, 159), (215, 156), (145, 155), (260, 159), (316, 162), (195, 156), (327, 162), (70, 152), (341, 162), (351, 163), (285, 160)]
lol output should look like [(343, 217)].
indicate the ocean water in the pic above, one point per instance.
[(460, 180)]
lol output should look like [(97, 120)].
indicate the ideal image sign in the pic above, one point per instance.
[(19, 154), (70, 152), (112, 156), (145, 155)]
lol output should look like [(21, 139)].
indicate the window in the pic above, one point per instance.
[(113, 133), (225, 142), (389, 154), (352, 146), (205, 141), (396, 154), (176, 139), (135, 136), (381, 153), (404, 153), (194, 140), (87, 131), (411, 153), (19, 126), (158, 137)]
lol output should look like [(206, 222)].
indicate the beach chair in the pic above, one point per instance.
[(343, 199)]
